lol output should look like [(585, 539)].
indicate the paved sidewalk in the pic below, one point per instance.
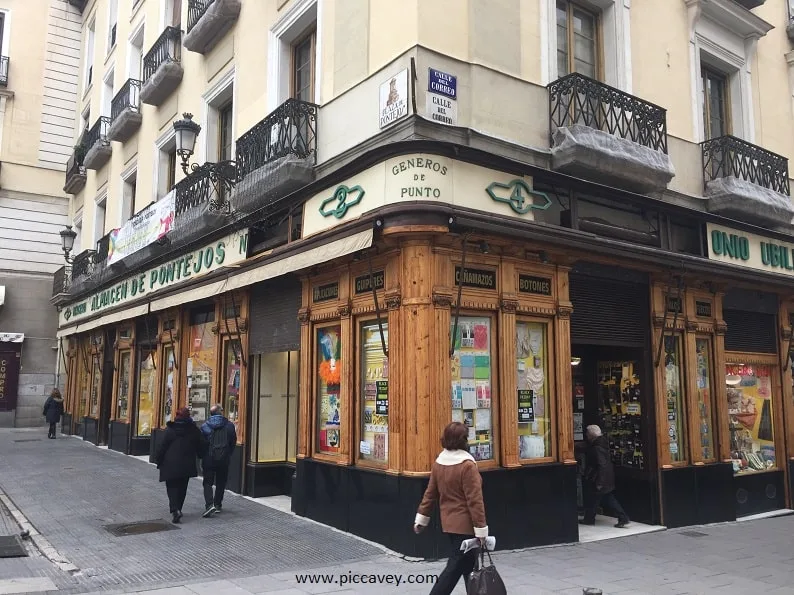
[(69, 490)]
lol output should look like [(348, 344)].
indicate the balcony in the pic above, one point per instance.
[(196, 203), (75, 171), (162, 70), (746, 182), (276, 156), (82, 267), (61, 282), (208, 21), (601, 133), (125, 112), (97, 144), (4, 63), (750, 4), (78, 4)]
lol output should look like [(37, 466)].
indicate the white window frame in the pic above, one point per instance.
[(77, 225), (138, 31), (724, 35), (166, 10), (108, 80), (89, 50), (6, 31), (161, 147), (216, 97), (614, 34), (126, 208), (101, 201), (111, 22), (299, 17)]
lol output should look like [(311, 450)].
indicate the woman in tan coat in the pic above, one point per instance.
[(456, 484)]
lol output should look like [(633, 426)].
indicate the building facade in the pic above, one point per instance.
[(38, 91), (538, 216)]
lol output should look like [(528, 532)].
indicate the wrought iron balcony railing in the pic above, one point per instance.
[(83, 264), (291, 129), (202, 186), (728, 156), (97, 133), (167, 48), (196, 10), (62, 280), (128, 97), (4, 63), (577, 99), (75, 164)]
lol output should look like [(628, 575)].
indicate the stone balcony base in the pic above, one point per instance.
[(98, 155), (125, 125), (745, 201), (75, 183), (271, 181), (212, 26), (162, 83), (599, 156)]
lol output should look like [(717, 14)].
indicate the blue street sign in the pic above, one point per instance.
[(443, 84)]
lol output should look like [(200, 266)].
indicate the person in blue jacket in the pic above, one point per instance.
[(53, 410), (221, 436)]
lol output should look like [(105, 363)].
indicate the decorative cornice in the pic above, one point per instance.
[(443, 297), (720, 328), (216, 328), (304, 315), (345, 309), (242, 325), (564, 310), (729, 14)]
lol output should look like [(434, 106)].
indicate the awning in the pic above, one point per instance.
[(112, 318), (2, 294), (11, 337)]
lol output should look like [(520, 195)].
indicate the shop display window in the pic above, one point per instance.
[(674, 391), (620, 404), (329, 375), (96, 384), (145, 400), (534, 408), (201, 362), (704, 371), (374, 443), (275, 406), (232, 370), (750, 419), (85, 384), (472, 381), (167, 385), (123, 391)]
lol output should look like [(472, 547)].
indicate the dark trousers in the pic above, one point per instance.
[(177, 491), (215, 474), (52, 431), (594, 498), (458, 565)]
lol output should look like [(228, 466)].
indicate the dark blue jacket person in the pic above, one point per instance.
[(53, 410), (221, 437)]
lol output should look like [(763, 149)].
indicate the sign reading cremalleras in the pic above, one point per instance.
[(536, 285), (480, 278), (393, 99), (363, 284), (324, 293), (519, 195), (340, 202)]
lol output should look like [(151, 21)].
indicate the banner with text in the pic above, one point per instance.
[(142, 229)]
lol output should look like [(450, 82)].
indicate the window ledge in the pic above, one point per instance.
[(730, 15)]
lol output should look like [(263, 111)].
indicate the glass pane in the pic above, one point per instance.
[(583, 23), (621, 411), (145, 409), (231, 374), (292, 406), (271, 403), (96, 385), (585, 68), (703, 348), (471, 383), (167, 396), (534, 411), (562, 64), (201, 367), (584, 49), (84, 365), (750, 417), (329, 376), (302, 73), (123, 396), (674, 382), (374, 445)]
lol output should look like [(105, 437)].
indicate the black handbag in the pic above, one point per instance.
[(485, 580)]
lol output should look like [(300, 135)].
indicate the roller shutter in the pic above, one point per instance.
[(750, 331), (274, 315)]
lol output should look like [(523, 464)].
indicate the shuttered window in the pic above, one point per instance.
[(274, 316), (750, 331)]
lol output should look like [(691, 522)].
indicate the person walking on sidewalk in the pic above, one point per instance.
[(177, 459), (456, 485), (599, 479), (221, 438), (53, 410)]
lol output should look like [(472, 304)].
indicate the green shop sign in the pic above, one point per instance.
[(750, 250), (519, 196), (225, 252), (342, 199)]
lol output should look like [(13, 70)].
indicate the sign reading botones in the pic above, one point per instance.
[(227, 251), (144, 228)]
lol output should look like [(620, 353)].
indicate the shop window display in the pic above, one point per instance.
[(674, 382), (621, 412), (146, 377), (201, 363), (749, 390), (123, 393), (534, 411), (374, 443), (231, 374), (96, 384), (167, 386), (472, 382), (703, 349), (329, 375), (85, 384)]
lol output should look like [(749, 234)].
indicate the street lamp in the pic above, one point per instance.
[(68, 235), (186, 133)]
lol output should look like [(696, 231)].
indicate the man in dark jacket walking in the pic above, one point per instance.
[(221, 437), (599, 479), (53, 410)]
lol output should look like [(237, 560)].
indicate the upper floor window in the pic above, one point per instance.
[(89, 54), (577, 40), (170, 174), (225, 132), (112, 23), (716, 103), (303, 65)]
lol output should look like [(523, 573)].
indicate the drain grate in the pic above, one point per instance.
[(139, 528), (11, 547), (693, 534), (28, 440)]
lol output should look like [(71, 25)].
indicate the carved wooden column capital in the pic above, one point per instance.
[(304, 314), (393, 298), (564, 310), (509, 303), (443, 297)]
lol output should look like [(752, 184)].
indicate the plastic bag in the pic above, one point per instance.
[(486, 580)]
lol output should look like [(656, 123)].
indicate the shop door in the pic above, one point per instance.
[(106, 391)]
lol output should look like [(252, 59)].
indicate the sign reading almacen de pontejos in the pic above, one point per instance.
[(226, 251)]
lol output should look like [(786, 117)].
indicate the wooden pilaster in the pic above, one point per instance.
[(562, 362), (722, 433)]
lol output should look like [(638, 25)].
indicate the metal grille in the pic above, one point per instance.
[(126, 98), (83, 264), (750, 331), (139, 528), (728, 156), (61, 280), (274, 316), (98, 133), (196, 10)]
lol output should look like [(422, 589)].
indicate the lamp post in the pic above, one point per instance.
[(68, 236), (222, 174)]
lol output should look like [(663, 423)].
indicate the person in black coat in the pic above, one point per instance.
[(177, 456), (599, 479), (53, 410)]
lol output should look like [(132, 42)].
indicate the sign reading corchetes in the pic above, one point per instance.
[(225, 252)]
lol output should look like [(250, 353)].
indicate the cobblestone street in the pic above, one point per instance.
[(69, 491)]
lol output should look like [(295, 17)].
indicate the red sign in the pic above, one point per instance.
[(9, 380)]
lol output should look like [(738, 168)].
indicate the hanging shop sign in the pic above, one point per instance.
[(324, 293), (9, 379), (143, 228), (363, 284), (442, 96), (480, 278), (227, 251), (750, 250), (341, 200), (534, 285), (393, 103)]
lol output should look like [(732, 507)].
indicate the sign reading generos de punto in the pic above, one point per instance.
[(750, 250), (225, 252)]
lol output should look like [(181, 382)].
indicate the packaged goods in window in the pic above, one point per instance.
[(534, 426), (674, 388), (146, 376), (329, 374), (201, 367), (232, 373), (375, 384), (751, 420), (621, 412), (703, 372)]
